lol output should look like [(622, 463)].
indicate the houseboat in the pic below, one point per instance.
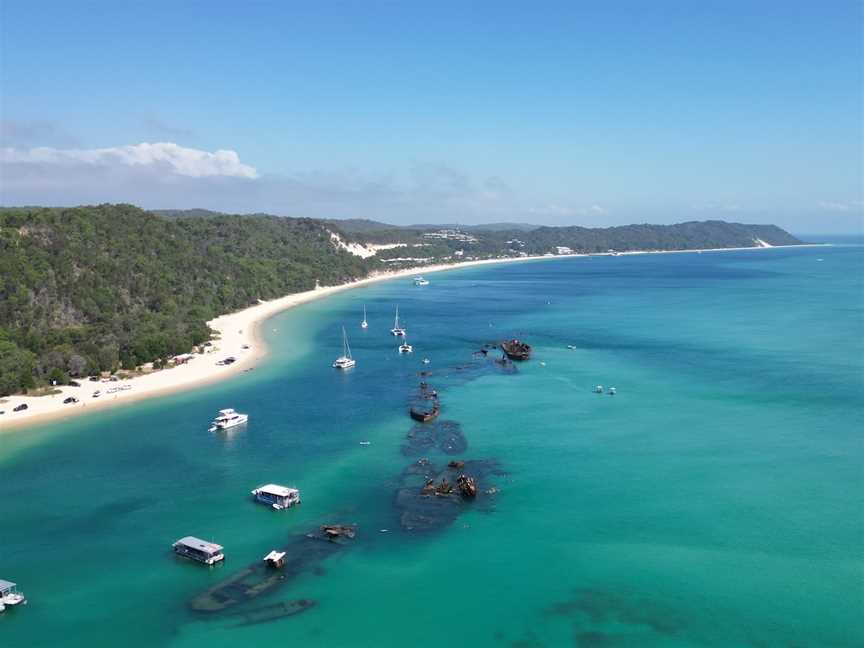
[(202, 551), (9, 595), (228, 418), (279, 497)]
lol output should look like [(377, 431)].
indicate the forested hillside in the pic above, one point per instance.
[(91, 289)]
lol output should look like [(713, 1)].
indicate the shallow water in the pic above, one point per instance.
[(716, 500)]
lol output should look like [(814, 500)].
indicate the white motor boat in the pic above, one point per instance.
[(397, 330), (228, 418), (345, 361), (598, 389), (612, 391), (420, 281)]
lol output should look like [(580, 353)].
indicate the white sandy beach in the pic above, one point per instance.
[(235, 331)]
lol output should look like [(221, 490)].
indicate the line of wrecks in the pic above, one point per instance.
[(429, 497)]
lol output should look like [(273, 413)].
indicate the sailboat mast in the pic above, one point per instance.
[(346, 350)]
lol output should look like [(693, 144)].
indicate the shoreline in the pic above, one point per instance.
[(236, 331)]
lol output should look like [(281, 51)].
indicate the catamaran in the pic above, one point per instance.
[(364, 323), (345, 361), (405, 347), (228, 418), (397, 330)]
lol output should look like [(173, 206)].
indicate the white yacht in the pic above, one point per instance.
[(364, 323), (9, 595), (397, 330), (345, 361), (228, 418), (612, 391), (405, 347), (420, 281), (598, 389)]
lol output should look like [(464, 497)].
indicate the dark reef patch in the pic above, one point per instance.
[(445, 436)]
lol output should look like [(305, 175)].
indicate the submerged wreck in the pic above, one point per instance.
[(302, 553), (274, 612), (431, 499), (426, 405), (516, 350)]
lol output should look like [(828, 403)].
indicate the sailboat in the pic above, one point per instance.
[(364, 323), (405, 347), (397, 330), (345, 361)]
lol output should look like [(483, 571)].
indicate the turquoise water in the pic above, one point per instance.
[(715, 501)]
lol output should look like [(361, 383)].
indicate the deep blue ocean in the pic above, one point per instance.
[(716, 500)]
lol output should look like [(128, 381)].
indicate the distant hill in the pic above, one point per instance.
[(90, 289)]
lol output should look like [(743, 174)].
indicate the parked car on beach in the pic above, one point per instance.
[(20, 408), (70, 399)]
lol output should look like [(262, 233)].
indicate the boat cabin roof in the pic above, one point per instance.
[(6, 585), (227, 412), (201, 545), (275, 555), (276, 489)]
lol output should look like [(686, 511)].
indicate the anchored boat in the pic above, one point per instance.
[(199, 550), (228, 418), (345, 361), (279, 497), (9, 595), (397, 330)]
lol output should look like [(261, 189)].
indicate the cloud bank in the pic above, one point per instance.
[(168, 156)]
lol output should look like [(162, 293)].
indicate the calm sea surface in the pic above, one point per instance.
[(716, 500)]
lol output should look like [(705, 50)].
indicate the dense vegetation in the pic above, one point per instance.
[(96, 288), (91, 289)]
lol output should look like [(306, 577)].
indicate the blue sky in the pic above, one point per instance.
[(450, 111)]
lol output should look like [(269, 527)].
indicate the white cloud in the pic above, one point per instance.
[(175, 159), (842, 206)]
